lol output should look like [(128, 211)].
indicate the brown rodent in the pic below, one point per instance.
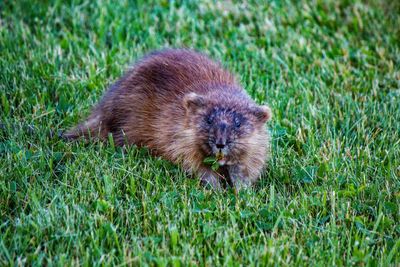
[(185, 107)]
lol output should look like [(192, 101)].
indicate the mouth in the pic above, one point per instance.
[(220, 157)]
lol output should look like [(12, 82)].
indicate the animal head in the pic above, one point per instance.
[(226, 128)]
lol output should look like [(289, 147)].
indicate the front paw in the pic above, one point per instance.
[(211, 182), (239, 177), (240, 184)]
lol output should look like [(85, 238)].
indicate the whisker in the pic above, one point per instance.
[(242, 143)]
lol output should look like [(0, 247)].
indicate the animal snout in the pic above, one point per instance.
[(220, 145), (221, 134)]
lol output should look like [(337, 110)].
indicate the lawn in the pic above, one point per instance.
[(330, 70)]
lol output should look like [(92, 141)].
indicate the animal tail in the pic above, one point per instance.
[(90, 128)]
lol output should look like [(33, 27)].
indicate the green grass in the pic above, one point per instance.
[(330, 70)]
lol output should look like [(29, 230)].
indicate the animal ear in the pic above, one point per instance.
[(262, 114), (193, 101)]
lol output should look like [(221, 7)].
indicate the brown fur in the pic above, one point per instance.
[(163, 103)]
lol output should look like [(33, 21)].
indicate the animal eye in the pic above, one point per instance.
[(209, 120), (237, 122)]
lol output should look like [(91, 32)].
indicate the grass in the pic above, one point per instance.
[(330, 70)]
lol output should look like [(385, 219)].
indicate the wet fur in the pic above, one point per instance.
[(162, 103)]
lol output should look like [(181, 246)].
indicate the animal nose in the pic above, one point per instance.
[(220, 136), (220, 146)]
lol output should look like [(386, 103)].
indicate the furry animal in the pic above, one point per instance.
[(185, 107)]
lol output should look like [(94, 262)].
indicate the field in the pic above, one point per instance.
[(330, 70)]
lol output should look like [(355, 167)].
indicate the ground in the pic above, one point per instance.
[(330, 70)]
